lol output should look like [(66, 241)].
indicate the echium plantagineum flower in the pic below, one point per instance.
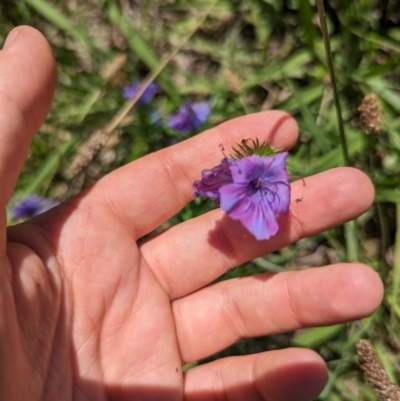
[(130, 91), (212, 180), (32, 206), (252, 188), (189, 117)]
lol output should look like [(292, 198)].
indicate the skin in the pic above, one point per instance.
[(88, 314)]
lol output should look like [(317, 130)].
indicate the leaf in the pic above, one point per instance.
[(58, 19), (142, 50), (382, 88), (311, 338)]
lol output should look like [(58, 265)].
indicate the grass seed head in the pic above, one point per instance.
[(370, 114), (375, 373)]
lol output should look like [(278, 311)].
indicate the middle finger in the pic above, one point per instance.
[(193, 254)]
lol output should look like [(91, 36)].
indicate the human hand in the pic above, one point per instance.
[(87, 313)]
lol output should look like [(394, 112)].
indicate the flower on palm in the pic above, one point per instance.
[(253, 189)]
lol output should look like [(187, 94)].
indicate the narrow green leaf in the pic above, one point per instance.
[(352, 243), (308, 28), (314, 337), (58, 19), (308, 96), (377, 39), (387, 363), (141, 49), (41, 180), (331, 159), (383, 89), (384, 194), (332, 74), (309, 121)]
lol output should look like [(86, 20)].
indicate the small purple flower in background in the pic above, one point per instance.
[(212, 180), (189, 117), (254, 190), (130, 91), (32, 206)]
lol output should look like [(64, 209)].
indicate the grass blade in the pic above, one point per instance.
[(141, 49), (58, 19), (325, 35)]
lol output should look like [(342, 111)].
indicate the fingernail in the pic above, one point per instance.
[(10, 38)]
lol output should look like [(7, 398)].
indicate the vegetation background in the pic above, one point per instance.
[(244, 56)]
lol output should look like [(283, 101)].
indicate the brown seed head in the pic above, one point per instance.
[(87, 152), (370, 114), (374, 372)]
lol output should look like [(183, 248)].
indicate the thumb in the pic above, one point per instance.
[(27, 84)]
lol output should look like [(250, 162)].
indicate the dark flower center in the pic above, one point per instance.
[(256, 185), (266, 188)]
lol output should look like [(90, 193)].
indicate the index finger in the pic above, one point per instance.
[(147, 192)]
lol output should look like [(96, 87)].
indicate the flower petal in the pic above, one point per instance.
[(32, 206), (254, 213), (189, 117), (201, 112), (129, 92), (213, 179)]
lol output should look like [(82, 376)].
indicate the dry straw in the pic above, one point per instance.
[(232, 81), (375, 373)]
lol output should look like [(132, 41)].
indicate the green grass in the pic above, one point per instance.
[(245, 56)]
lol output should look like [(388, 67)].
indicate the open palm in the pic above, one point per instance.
[(88, 313)]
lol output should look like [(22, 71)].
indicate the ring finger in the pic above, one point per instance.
[(193, 254), (215, 317)]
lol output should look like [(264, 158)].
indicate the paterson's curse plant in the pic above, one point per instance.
[(252, 186)]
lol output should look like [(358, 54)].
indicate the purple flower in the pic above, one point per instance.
[(129, 92), (259, 193), (212, 180), (32, 206), (189, 117)]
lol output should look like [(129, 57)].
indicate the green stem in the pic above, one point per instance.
[(352, 246), (384, 226), (383, 221), (325, 35), (350, 229)]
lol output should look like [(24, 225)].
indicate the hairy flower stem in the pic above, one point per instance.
[(352, 243), (371, 121), (384, 227), (383, 218), (325, 35)]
